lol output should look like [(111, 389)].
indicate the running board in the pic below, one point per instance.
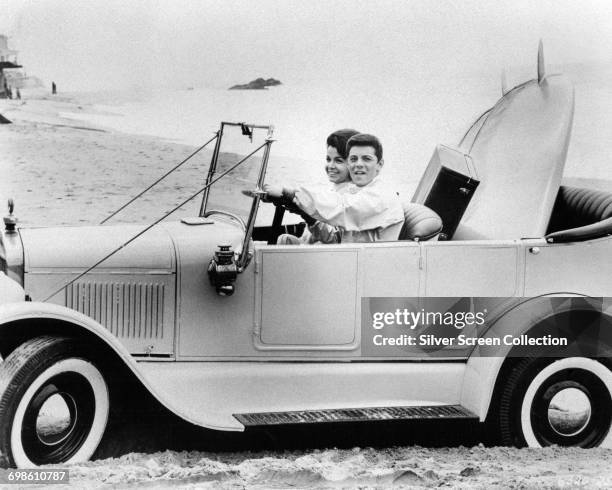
[(446, 412)]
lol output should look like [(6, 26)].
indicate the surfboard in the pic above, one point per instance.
[(519, 148)]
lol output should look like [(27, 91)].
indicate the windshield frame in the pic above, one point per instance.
[(247, 130)]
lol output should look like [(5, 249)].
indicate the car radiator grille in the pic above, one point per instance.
[(128, 310)]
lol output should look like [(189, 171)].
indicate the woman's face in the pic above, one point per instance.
[(335, 166)]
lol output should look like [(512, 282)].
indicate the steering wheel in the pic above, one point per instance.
[(282, 204)]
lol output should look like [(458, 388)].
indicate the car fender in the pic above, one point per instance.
[(482, 369), (10, 291), (14, 315)]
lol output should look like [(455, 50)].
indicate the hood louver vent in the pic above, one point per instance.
[(128, 310)]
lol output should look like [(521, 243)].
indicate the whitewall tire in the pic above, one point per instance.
[(52, 369), (564, 402)]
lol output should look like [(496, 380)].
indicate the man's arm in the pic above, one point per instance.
[(372, 206), (369, 208)]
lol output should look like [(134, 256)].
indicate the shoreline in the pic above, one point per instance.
[(60, 171)]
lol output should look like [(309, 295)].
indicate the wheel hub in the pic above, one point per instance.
[(58, 418), (571, 408)]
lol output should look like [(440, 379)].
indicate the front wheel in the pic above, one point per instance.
[(54, 404), (566, 402)]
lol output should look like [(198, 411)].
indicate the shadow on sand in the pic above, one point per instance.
[(163, 431)]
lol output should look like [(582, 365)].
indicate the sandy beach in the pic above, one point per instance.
[(397, 467), (62, 172)]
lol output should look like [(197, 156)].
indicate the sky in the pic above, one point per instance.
[(95, 44)]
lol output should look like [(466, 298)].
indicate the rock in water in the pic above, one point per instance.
[(257, 84)]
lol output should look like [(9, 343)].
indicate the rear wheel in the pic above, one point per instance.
[(567, 402), (54, 404)]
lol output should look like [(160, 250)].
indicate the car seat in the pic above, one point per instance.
[(420, 223), (580, 214)]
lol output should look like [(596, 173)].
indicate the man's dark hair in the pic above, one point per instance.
[(338, 140), (363, 139)]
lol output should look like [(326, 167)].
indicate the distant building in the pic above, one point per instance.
[(7, 54), (8, 61)]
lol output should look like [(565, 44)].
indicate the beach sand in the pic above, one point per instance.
[(62, 171)]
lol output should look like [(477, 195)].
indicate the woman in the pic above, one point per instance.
[(337, 172)]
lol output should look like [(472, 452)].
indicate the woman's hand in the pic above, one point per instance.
[(283, 196), (273, 191)]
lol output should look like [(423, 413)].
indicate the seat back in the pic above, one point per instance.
[(580, 214), (577, 206), (420, 223)]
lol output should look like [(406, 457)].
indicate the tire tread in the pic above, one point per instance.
[(13, 373)]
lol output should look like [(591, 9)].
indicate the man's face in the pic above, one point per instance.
[(335, 166), (363, 165)]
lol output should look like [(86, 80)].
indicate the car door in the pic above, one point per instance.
[(478, 268), (574, 267), (308, 298), (479, 277)]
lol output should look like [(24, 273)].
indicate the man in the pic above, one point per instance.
[(367, 211)]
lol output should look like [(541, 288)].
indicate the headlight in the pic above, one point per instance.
[(11, 256)]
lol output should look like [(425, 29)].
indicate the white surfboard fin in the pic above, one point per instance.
[(504, 83), (541, 73)]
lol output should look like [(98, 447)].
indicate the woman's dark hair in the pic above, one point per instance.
[(363, 139), (338, 140)]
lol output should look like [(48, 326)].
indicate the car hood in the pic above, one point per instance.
[(78, 248)]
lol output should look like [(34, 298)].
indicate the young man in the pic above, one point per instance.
[(367, 210)]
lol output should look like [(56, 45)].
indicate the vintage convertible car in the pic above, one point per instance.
[(228, 330)]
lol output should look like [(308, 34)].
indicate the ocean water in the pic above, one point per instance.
[(410, 114)]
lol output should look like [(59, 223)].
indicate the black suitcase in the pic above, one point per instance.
[(447, 186)]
